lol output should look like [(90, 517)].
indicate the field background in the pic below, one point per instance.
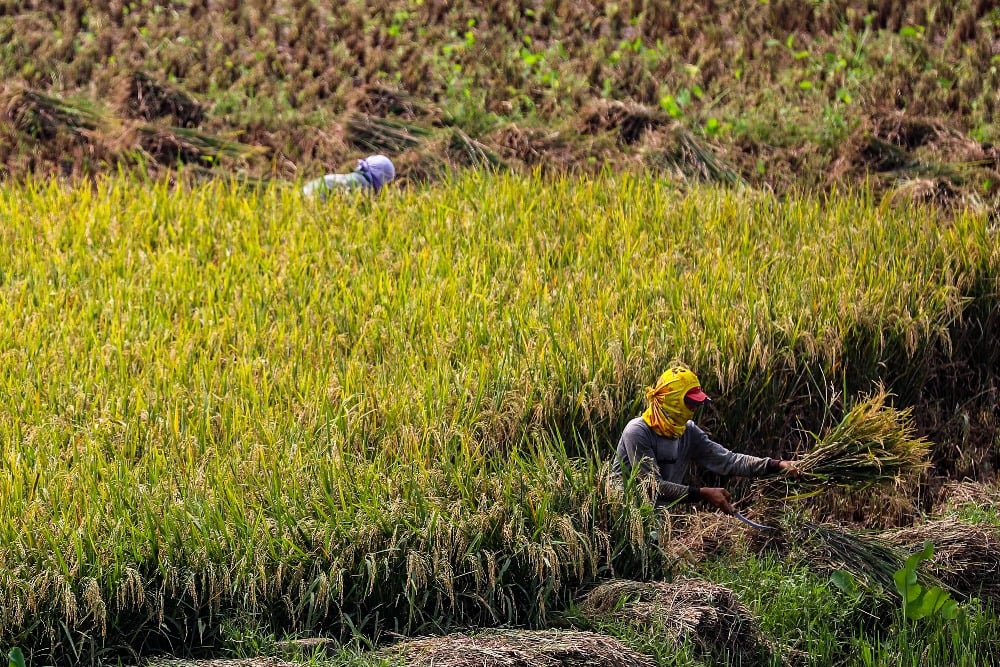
[(229, 415), (781, 94)]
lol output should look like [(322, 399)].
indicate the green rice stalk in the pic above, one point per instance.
[(869, 558)]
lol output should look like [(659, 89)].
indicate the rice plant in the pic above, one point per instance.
[(221, 401)]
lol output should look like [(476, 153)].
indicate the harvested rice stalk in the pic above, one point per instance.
[(169, 145), (870, 559), (874, 444), (710, 616), (516, 648), (966, 557), (380, 135), (264, 661), (43, 116), (463, 149)]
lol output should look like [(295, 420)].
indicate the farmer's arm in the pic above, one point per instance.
[(636, 451), (722, 461)]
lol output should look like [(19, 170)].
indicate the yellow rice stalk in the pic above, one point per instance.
[(874, 444)]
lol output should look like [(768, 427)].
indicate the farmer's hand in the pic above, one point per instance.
[(717, 498), (789, 468)]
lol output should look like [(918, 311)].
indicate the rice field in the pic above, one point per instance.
[(367, 416)]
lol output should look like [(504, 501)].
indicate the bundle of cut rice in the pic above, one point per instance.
[(874, 444), (966, 557), (516, 648), (870, 559), (709, 616)]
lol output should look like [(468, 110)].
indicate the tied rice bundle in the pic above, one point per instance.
[(515, 648), (966, 557), (874, 444), (870, 558)]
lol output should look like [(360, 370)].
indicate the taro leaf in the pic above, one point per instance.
[(918, 601), (845, 581), (933, 601), (16, 657)]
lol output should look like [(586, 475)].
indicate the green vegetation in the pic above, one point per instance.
[(228, 404)]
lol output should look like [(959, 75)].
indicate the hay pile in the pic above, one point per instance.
[(244, 662), (140, 96), (517, 648), (697, 536), (966, 557), (709, 616)]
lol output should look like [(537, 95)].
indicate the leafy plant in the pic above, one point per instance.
[(16, 658), (922, 601)]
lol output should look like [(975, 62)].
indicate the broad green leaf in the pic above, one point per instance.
[(906, 583), (844, 581), (16, 657)]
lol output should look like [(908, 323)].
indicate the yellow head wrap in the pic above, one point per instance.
[(667, 413)]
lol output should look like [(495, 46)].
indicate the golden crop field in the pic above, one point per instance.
[(359, 413)]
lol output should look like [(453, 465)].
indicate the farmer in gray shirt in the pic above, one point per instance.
[(663, 441)]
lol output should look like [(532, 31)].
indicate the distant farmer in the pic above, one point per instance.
[(663, 441), (370, 175)]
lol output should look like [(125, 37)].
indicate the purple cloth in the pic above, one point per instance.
[(378, 169)]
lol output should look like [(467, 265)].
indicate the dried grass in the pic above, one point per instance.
[(517, 648), (629, 120), (141, 96), (533, 146), (264, 661), (697, 536), (709, 616), (966, 557), (955, 495), (383, 100)]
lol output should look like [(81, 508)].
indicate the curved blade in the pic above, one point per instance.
[(758, 526)]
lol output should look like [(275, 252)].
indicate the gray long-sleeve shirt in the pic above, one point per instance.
[(667, 459)]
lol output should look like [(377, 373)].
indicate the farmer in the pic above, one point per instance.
[(369, 176), (662, 442)]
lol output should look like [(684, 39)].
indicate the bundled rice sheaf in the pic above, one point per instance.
[(871, 559), (678, 150), (874, 444), (45, 116), (516, 648), (264, 661), (709, 616), (966, 557), (381, 135), (169, 145), (141, 96), (464, 150)]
